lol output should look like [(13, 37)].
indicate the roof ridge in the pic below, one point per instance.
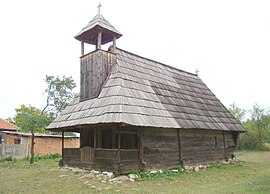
[(171, 67)]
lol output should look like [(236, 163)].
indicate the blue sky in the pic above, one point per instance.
[(227, 41)]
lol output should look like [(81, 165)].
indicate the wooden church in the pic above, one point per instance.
[(136, 113)]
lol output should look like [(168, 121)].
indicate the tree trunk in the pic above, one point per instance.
[(259, 133), (32, 148)]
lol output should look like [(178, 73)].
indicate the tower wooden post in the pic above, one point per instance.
[(82, 48)]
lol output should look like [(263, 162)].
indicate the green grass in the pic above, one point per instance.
[(251, 175)]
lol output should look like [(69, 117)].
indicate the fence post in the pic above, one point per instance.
[(1, 151), (14, 151), (26, 149)]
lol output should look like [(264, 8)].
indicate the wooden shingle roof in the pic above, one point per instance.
[(142, 92), (89, 33)]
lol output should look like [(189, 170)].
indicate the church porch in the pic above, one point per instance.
[(110, 148)]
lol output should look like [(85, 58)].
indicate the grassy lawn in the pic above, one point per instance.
[(252, 175)]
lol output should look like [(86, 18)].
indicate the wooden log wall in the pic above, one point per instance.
[(161, 148), (230, 144), (95, 68), (204, 146), (71, 154)]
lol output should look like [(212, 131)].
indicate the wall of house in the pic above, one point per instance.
[(6, 139), (230, 143), (161, 148), (201, 146), (9, 139), (45, 146)]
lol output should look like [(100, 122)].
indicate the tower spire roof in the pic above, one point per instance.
[(89, 33)]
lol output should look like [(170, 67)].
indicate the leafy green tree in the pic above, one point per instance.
[(59, 93), (31, 119), (237, 112), (257, 135), (257, 113), (24, 117), (266, 127), (249, 140)]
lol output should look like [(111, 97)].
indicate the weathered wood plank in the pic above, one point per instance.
[(161, 148), (141, 145), (200, 146), (95, 68), (87, 154), (106, 153)]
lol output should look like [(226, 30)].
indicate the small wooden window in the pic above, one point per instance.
[(17, 140), (215, 141)]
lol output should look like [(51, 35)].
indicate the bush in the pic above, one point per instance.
[(7, 159), (252, 139), (266, 146), (47, 157), (249, 141), (257, 126)]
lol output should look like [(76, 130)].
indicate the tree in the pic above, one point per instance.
[(59, 93), (257, 113), (31, 119), (24, 116), (237, 112), (257, 135), (266, 127)]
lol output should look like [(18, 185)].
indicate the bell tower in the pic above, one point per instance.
[(96, 65), (98, 32)]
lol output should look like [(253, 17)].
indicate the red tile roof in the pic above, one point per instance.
[(6, 126)]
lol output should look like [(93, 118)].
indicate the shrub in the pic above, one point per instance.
[(266, 146), (7, 159), (47, 157)]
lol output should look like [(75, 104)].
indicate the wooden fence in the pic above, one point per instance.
[(17, 151)]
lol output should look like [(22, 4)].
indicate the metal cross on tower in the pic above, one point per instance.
[(99, 6)]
